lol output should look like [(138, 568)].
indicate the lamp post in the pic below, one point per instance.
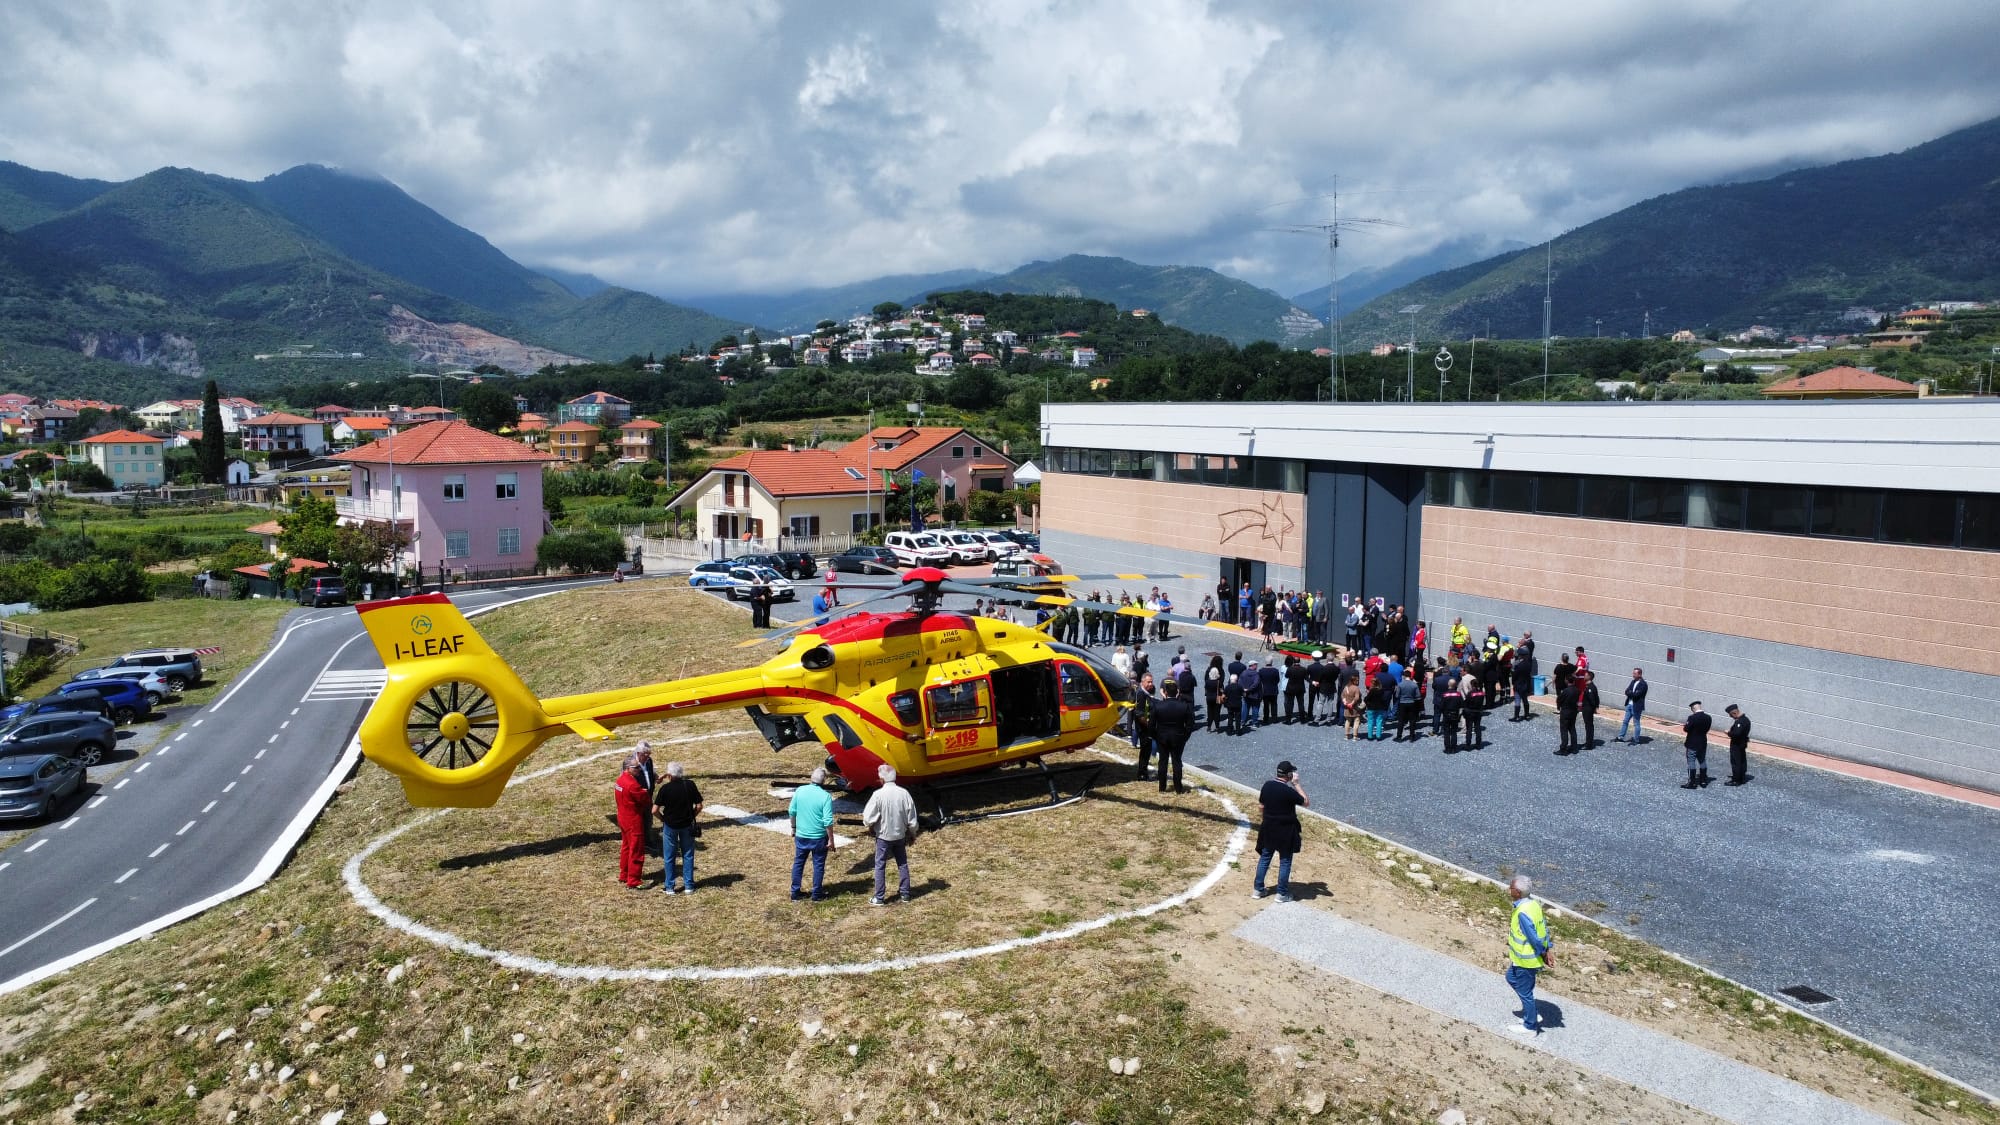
[(1410, 389), (1442, 361)]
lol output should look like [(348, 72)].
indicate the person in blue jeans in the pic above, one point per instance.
[(1279, 834), (678, 802), (1253, 696), (1635, 706), (1529, 948), (812, 832)]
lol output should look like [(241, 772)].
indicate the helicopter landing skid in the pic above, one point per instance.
[(1049, 775)]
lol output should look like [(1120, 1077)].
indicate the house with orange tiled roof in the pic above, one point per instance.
[(284, 436), (956, 458), (574, 443), (330, 413), (1841, 382), (467, 500), (599, 407), (641, 440), (362, 427), (126, 456), (268, 532), (532, 430), (773, 495)]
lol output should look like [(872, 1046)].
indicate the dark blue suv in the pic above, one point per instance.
[(127, 700)]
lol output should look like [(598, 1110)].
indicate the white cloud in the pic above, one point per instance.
[(710, 146)]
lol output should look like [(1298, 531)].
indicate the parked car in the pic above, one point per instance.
[(965, 547), (917, 548), (1026, 539), (150, 682), (180, 667), (798, 564), (865, 560), (128, 700), (75, 734), (734, 580), (326, 590), (32, 784), (1001, 546), (49, 704), (775, 562)]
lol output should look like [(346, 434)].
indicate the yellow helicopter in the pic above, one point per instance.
[(931, 692)]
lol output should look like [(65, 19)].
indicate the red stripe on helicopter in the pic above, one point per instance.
[(764, 693), (413, 599)]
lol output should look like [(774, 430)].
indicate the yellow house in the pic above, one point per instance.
[(774, 495), (573, 442), (128, 458)]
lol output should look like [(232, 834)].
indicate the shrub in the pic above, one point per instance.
[(65, 549), (592, 549), (31, 668), (19, 582), (952, 511), (98, 582), (988, 507), (17, 537)]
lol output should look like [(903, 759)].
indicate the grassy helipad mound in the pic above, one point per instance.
[(488, 875)]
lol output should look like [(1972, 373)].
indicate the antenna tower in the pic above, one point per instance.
[(1332, 231)]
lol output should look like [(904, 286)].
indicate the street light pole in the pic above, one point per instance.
[(1410, 387)]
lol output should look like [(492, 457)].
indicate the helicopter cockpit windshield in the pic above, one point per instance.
[(1114, 680)]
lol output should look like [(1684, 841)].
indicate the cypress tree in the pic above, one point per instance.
[(214, 457)]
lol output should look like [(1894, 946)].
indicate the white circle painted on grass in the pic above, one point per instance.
[(1898, 855), (394, 919)]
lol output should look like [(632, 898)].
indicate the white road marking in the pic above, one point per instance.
[(5, 866), (264, 751), (142, 767), (122, 782), (246, 769), (205, 808), (228, 787), (180, 736), (163, 749), (254, 669), (47, 928), (1900, 856), (283, 725), (126, 876), (270, 740), (98, 802), (185, 827), (64, 826), (36, 844), (295, 710), (347, 683), (197, 722), (156, 851)]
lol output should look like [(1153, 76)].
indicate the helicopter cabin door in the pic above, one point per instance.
[(1026, 698), (959, 719), (1083, 698)]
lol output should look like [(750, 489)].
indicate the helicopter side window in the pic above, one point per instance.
[(1080, 689), (843, 733), (966, 704), (909, 712)]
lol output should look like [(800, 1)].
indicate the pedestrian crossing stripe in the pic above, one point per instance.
[(347, 684)]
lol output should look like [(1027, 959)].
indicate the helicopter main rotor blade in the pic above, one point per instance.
[(1003, 579), (905, 590), (1142, 611)]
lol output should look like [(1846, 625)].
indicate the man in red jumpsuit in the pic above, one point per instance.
[(632, 799)]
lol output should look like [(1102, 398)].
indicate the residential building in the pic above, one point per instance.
[(939, 361), (329, 414), (126, 456), (466, 499), (767, 495), (641, 440), (600, 408), (1922, 317), (171, 414), (573, 443), (1082, 357), (816, 356), (1754, 524), (958, 460), (532, 430), (981, 359), (284, 436), (421, 414), (1841, 382), (361, 427), (44, 423), (324, 483)]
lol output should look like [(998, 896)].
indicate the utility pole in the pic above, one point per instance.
[(1332, 231), (1548, 294), (1410, 387)]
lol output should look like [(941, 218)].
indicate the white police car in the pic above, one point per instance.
[(735, 580)]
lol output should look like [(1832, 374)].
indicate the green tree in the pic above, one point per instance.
[(214, 457), (488, 407), (598, 548), (887, 310), (310, 529)]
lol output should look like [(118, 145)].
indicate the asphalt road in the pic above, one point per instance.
[(1884, 898), (196, 814)]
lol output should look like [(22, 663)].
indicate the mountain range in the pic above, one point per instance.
[(1796, 251)]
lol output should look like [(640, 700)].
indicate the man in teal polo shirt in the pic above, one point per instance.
[(812, 830)]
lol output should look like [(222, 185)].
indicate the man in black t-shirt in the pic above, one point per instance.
[(679, 803), (1280, 832)]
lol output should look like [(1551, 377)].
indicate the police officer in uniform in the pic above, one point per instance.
[(1696, 726), (1173, 725), (760, 605), (1739, 746)]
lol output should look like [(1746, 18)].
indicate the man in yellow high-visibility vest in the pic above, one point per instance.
[(1529, 948)]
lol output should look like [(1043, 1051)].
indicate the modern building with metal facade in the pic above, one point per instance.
[(1833, 567)]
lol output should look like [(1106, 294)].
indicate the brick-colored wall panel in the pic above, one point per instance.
[(1181, 516), (1919, 604)]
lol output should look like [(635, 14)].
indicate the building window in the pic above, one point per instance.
[(1556, 494), (1514, 492), (1660, 501), (957, 451), (1776, 509), (805, 526), (457, 544), (1922, 519), (1605, 498), (506, 485), (510, 541), (454, 488), (1717, 505), (976, 452), (1846, 513), (862, 521), (1981, 529), (729, 490)]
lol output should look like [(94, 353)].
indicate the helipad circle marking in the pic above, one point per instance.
[(367, 899)]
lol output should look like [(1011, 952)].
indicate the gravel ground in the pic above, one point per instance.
[(1882, 897)]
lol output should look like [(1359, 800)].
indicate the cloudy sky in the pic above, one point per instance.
[(754, 145)]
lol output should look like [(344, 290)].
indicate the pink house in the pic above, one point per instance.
[(469, 501)]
